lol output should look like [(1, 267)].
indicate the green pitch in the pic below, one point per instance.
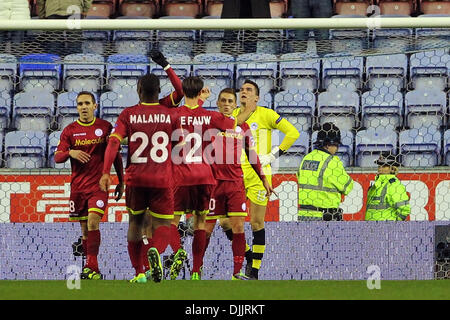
[(225, 290)]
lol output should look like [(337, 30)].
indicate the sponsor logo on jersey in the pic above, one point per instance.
[(79, 134), (85, 142)]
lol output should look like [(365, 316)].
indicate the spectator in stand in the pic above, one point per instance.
[(63, 9), (243, 9), (311, 9)]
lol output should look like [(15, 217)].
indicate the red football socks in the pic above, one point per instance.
[(146, 244), (135, 253), (198, 249), (93, 245), (238, 248), (161, 238)]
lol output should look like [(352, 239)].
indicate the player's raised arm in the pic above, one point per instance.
[(174, 98)]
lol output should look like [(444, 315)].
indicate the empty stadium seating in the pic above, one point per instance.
[(420, 147), (25, 149), (297, 106), (371, 143), (33, 110)]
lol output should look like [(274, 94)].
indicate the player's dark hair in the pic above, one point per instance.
[(87, 93), (230, 91), (148, 88), (253, 84), (192, 86)]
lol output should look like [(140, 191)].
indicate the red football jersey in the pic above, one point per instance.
[(90, 138), (149, 128), (228, 147), (193, 156)]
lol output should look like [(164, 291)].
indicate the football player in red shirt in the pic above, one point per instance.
[(229, 199), (148, 176), (84, 142), (192, 173)]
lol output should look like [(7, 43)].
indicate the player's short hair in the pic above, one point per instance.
[(87, 93), (253, 83), (230, 91), (149, 85), (192, 86)]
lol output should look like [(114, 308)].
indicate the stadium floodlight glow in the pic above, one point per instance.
[(211, 24)]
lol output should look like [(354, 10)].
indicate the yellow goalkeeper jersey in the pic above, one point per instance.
[(261, 122)]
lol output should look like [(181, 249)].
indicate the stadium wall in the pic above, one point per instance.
[(299, 251), (43, 196)]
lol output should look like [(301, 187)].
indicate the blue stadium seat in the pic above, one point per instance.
[(294, 155), (41, 71), (382, 109), (176, 41), (392, 39), (260, 68), (133, 42), (217, 72), (83, 72), (25, 149), (424, 108), (5, 109), (432, 38), (299, 70), (33, 110), (349, 40), (420, 147), (447, 147), (387, 71), (371, 142), (269, 41), (212, 40), (297, 106), (94, 41), (345, 151), (340, 107), (430, 69), (53, 140), (114, 102), (123, 71), (8, 72), (342, 72), (180, 63), (66, 108)]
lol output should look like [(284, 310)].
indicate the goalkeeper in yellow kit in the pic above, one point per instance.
[(262, 121)]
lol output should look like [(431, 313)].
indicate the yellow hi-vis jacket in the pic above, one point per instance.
[(322, 180), (387, 199)]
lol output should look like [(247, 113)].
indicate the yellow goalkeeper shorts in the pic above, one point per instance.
[(254, 187)]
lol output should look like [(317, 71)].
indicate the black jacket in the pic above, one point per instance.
[(246, 9)]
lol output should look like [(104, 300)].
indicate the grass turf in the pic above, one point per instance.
[(225, 290)]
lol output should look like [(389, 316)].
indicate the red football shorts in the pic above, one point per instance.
[(193, 199), (81, 204), (229, 200), (159, 201)]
